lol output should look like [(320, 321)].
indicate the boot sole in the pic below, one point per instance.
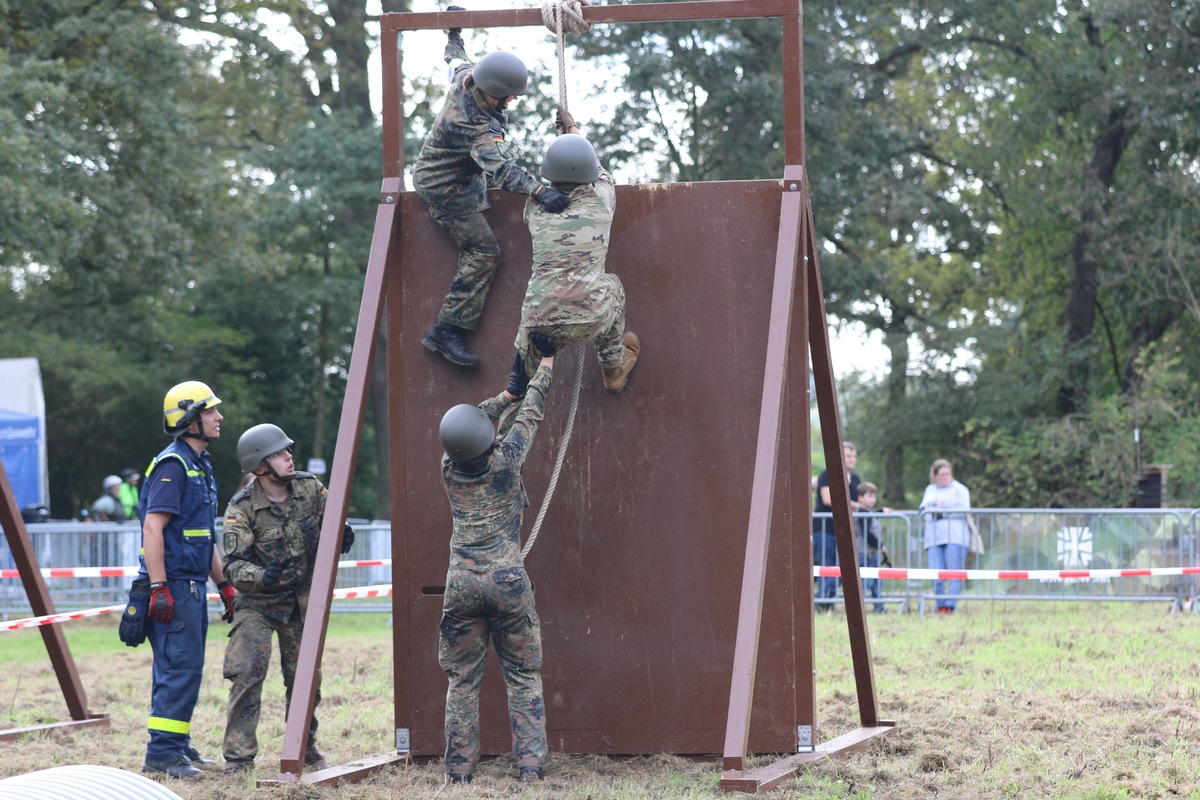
[(432, 347)]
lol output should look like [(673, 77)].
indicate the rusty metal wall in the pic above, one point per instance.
[(638, 566)]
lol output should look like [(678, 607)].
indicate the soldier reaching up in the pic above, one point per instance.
[(464, 153), (488, 593)]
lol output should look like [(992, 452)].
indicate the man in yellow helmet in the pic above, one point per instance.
[(178, 509)]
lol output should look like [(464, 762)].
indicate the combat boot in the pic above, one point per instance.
[(448, 340), (314, 760), (178, 766), (614, 379), (194, 756), (531, 774)]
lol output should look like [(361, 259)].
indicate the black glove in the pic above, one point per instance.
[(133, 621), (455, 33), (563, 121), (551, 200), (518, 381), (543, 343), (271, 574), (347, 538), (162, 605), (884, 559)]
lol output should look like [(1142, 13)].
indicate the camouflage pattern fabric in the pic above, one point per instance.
[(478, 255), (246, 661), (466, 150), (570, 297), (259, 532), (489, 595)]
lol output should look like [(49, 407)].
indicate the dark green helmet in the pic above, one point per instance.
[(260, 442), (571, 159), (466, 432), (501, 74)]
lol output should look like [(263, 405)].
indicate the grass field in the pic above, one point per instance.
[(1003, 700)]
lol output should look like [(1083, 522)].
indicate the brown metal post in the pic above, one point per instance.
[(793, 86), (839, 492), (401, 651), (766, 465), (345, 460), (638, 12), (804, 645), (393, 105), (39, 599)]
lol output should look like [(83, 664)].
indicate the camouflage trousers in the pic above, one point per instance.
[(497, 605), (478, 255), (246, 660), (605, 327)]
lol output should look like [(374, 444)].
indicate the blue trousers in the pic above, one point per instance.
[(871, 585), (825, 554), (178, 667), (947, 556)]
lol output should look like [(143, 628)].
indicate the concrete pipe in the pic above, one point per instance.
[(83, 780)]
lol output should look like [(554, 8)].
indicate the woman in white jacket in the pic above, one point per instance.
[(947, 534)]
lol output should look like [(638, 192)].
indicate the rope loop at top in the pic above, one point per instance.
[(556, 12)]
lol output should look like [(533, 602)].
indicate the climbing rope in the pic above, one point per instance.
[(562, 454), (554, 14)]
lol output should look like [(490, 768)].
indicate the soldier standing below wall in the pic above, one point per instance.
[(178, 513), (570, 297), (464, 153), (272, 527), (488, 593)]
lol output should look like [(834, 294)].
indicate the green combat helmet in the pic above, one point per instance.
[(501, 74), (466, 433), (571, 159), (259, 442)]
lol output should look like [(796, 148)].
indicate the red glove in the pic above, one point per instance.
[(162, 605), (227, 594)]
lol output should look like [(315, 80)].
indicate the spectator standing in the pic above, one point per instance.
[(870, 544), (107, 507), (824, 541), (947, 533), (129, 491)]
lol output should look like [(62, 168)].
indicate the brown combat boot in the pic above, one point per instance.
[(614, 379)]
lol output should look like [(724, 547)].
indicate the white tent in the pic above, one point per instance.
[(21, 392)]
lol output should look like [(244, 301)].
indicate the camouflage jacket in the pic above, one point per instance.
[(487, 508), (465, 151), (259, 532), (569, 250)]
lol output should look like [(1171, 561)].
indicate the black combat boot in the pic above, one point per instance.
[(447, 339)]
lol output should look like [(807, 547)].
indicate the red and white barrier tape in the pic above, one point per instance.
[(379, 590), (888, 573), (121, 572)]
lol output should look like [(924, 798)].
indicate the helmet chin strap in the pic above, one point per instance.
[(266, 462), (201, 436)]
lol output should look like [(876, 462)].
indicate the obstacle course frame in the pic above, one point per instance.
[(782, 407)]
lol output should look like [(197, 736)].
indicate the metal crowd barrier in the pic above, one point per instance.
[(1014, 539), (1021, 539), (109, 544)]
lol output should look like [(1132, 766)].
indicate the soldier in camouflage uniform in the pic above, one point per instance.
[(488, 593), (464, 153), (270, 541), (570, 297)]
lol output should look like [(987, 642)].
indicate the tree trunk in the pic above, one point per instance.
[(896, 338), (1085, 278)]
